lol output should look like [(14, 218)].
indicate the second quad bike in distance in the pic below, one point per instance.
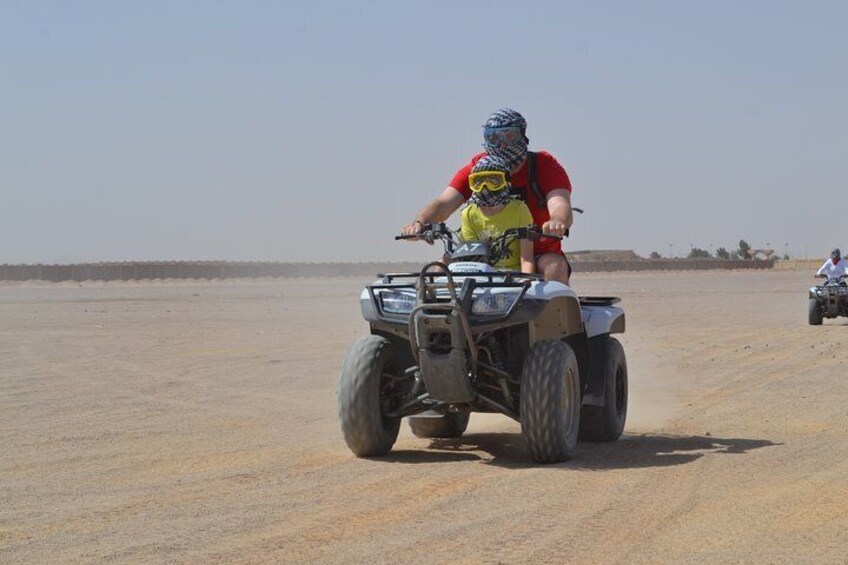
[(828, 300), (465, 337)]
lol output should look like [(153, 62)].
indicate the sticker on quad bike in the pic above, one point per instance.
[(472, 248)]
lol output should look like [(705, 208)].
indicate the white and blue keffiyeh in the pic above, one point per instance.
[(515, 153)]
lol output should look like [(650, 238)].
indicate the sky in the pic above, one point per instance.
[(312, 131)]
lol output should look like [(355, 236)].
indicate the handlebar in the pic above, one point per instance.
[(529, 232), (430, 232), (440, 230)]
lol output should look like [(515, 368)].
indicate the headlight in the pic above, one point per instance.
[(492, 304), (394, 302)]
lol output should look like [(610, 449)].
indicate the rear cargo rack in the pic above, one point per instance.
[(599, 300)]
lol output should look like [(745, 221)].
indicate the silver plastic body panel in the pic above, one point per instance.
[(541, 290), (597, 319)]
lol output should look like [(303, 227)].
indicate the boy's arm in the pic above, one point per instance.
[(528, 262)]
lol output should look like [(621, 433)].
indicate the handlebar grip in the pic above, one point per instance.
[(428, 236)]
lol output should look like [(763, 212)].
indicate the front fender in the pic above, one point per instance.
[(559, 319)]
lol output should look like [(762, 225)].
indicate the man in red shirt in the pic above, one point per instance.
[(538, 179)]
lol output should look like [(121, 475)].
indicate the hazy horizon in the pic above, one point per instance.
[(299, 131)]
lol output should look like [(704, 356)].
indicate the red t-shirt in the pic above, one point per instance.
[(549, 175)]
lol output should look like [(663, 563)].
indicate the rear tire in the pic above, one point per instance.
[(550, 401), (450, 425), (814, 313), (367, 372), (607, 423)]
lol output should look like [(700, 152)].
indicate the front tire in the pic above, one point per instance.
[(451, 425), (367, 373), (550, 401), (607, 423), (814, 314)]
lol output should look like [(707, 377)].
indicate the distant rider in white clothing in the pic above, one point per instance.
[(834, 267)]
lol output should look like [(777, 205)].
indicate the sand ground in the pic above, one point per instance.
[(197, 422)]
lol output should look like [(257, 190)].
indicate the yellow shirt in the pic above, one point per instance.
[(477, 226)]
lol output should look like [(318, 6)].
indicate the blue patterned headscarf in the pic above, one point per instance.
[(484, 197), (515, 153)]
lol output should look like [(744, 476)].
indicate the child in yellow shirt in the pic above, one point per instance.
[(492, 210)]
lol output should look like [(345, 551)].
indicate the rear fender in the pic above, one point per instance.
[(603, 320)]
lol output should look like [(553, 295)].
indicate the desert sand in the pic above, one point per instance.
[(156, 422)]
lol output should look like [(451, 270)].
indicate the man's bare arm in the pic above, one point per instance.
[(437, 210), (559, 208)]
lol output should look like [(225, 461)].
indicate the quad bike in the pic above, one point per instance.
[(828, 300), (464, 337)]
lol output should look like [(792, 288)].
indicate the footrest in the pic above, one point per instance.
[(590, 399), (429, 414)]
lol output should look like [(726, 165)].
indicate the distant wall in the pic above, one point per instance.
[(193, 270), (799, 265), (230, 269), (603, 255)]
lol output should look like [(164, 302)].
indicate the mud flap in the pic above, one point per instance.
[(593, 386), (832, 307), (444, 367)]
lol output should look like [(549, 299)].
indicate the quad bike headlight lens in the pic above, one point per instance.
[(493, 304), (395, 302)]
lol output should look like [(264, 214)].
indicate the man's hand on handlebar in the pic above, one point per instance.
[(425, 231), (554, 227), (413, 231), (430, 233), (537, 233), (413, 228)]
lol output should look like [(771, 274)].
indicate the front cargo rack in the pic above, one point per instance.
[(510, 279), (508, 276)]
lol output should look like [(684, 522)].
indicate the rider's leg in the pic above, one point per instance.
[(553, 267)]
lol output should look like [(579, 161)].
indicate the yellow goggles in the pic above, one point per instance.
[(488, 180)]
